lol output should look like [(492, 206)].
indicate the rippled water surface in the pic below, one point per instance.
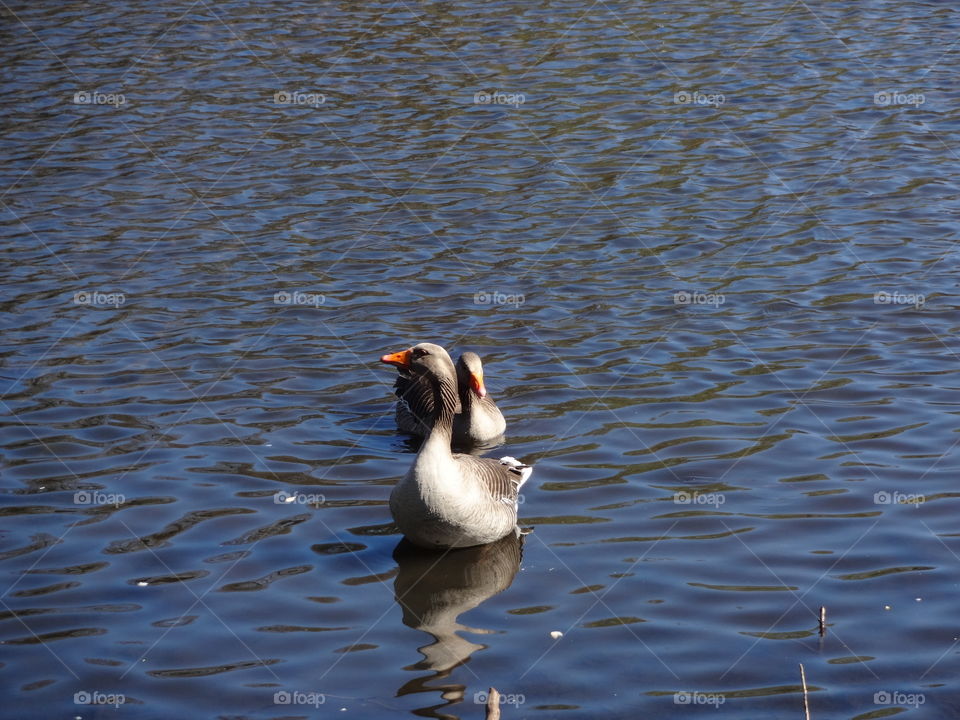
[(706, 250)]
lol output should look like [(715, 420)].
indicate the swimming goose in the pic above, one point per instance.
[(449, 500), (480, 420)]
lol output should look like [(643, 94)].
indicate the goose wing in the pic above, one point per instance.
[(501, 478)]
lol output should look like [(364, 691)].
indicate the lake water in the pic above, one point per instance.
[(706, 250)]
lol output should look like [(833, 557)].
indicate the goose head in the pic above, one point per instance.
[(433, 378), (470, 373)]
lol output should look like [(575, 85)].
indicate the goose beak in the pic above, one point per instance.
[(476, 384), (400, 359)]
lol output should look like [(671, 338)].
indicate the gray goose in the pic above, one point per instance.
[(449, 500), (478, 422)]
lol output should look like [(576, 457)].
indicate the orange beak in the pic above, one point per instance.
[(476, 384), (400, 359)]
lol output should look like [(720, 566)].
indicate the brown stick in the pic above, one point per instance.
[(493, 705), (806, 701), (823, 621)]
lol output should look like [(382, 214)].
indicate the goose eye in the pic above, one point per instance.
[(419, 352)]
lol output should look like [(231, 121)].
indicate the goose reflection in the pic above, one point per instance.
[(435, 587)]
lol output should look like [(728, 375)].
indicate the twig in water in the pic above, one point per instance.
[(493, 704), (806, 701), (823, 621)]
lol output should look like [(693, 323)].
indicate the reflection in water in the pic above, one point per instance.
[(434, 588)]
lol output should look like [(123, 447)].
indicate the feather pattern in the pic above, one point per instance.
[(478, 422)]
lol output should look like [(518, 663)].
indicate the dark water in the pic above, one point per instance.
[(707, 251)]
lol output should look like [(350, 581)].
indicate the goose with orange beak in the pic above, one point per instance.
[(479, 422), (446, 499)]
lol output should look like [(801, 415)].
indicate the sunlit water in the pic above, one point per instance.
[(706, 250)]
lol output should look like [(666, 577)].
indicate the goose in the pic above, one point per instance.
[(449, 500), (479, 422)]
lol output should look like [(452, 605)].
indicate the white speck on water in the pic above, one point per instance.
[(886, 607), (142, 584), (556, 634)]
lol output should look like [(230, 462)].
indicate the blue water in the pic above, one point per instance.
[(707, 253)]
